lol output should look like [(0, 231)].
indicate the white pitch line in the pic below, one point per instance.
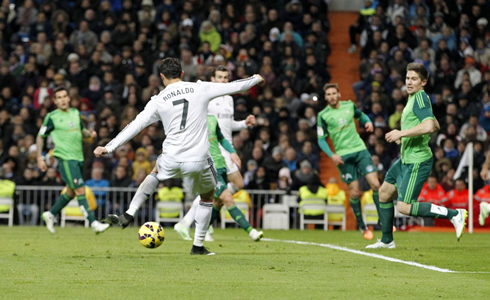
[(410, 263)]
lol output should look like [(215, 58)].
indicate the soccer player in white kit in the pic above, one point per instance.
[(182, 108), (222, 108)]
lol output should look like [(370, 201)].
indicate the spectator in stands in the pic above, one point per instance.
[(365, 13), (121, 177), (284, 180), (141, 163), (485, 119), (251, 168), (304, 176), (473, 72), (313, 193), (433, 192), (307, 153), (274, 163), (260, 180), (458, 197), (472, 130), (97, 182)]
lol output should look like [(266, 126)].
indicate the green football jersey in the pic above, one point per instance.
[(66, 130), (214, 133), (339, 124), (416, 149)]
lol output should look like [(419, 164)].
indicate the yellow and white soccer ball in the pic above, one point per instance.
[(151, 235)]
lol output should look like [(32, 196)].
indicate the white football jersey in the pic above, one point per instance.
[(222, 109), (182, 107)]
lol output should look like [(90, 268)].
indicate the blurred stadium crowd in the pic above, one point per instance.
[(107, 51)]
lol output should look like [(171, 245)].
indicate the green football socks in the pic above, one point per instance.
[(238, 216), (82, 201), (376, 200), (386, 214), (61, 202), (425, 209), (356, 207)]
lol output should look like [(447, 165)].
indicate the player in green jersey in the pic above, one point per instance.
[(65, 127), (351, 156), (409, 173), (222, 195)]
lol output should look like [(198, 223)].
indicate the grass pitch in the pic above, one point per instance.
[(75, 263)]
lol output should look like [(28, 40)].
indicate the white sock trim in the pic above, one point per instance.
[(440, 210)]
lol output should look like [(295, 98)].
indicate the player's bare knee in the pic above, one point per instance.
[(70, 192), (80, 191), (239, 184), (375, 186), (228, 201), (403, 208), (354, 192)]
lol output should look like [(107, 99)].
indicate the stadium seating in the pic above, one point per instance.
[(10, 214), (275, 216), (168, 205), (72, 212)]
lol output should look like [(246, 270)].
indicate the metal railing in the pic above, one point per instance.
[(116, 201)]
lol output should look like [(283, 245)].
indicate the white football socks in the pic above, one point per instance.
[(203, 216), (191, 214)]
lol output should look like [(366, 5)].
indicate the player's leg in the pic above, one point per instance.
[(386, 209), (415, 175), (235, 182), (201, 178), (348, 172), (235, 179), (144, 191), (367, 168), (355, 203), (386, 214), (484, 210), (182, 227), (238, 216), (63, 199), (97, 226)]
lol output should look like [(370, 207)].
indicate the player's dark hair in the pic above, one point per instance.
[(420, 69), (219, 69), (59, 89), (331, 85), (170, 68)]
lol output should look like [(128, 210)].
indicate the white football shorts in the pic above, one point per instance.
[(199, 176)]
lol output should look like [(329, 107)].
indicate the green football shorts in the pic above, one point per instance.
[(71, 172), (409, 178), (222, 182), (355, 164)]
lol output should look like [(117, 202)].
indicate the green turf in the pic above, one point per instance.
[(75, 263)]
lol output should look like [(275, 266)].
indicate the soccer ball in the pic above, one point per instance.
[(151, 235)]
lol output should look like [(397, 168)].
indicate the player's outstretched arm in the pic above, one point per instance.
[(239, 125), (100, 151), (213, 89), (148, 116)]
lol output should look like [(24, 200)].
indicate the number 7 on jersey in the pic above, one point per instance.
[(184, 111)]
